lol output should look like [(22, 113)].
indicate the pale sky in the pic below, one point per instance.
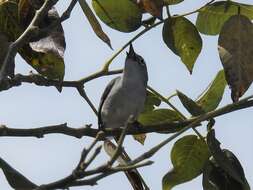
[(55, 156)]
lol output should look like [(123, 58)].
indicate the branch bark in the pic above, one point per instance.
[(91, 132)]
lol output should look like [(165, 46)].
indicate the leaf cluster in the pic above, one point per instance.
[(191, 155)]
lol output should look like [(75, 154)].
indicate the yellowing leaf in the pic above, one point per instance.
[(182, 37), (122, 15), (211, 18), (189, 155), (236, 54)]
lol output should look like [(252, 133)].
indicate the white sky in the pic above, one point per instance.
[(55, 156)]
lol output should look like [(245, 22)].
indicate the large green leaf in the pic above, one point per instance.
[(172, 2), (45, 53), (210, 99), (189, 155), (182, 37), (151, 102), (191, 106), (122, 15), (158, 116), (211, 18)]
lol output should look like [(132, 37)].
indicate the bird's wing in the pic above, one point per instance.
[(102, 100)]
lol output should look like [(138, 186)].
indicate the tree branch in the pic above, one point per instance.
[(171, 127), (77, 177)]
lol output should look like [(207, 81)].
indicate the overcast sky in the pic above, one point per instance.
[(55, 156)]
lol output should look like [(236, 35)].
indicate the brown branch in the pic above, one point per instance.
[(83, 94), (39, 80), (110, 171), (77, 177), (121, 139), (171, 127)]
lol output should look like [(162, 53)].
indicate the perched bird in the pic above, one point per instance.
[(123, 97)]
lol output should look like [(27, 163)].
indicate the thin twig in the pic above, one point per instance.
[(83, 94), (120, 142), (110, 171), (167, 102)]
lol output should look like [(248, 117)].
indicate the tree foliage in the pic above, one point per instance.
[(33, 29)]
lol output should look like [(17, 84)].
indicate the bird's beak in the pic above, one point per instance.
[(131, 53)]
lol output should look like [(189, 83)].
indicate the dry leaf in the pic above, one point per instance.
[(154, 7), (236, 54), (140, 138)]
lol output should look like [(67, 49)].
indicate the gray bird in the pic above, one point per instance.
[(123, 97)]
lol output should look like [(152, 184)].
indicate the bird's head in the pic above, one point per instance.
[(135, 64)]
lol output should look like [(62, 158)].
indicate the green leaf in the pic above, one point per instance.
[(122, 15), (211, 18), (158, 116), (189, 155), (172, 2), (94, 22), (182, 37), (190, 104), (151, 101), (15, 179), (210, 99)]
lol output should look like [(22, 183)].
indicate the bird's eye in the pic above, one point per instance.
[(142, 62)]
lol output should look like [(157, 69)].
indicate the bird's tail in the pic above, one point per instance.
[(133, 175)]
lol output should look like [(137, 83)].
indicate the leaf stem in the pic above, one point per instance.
[(107, 63), (166, 101)]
